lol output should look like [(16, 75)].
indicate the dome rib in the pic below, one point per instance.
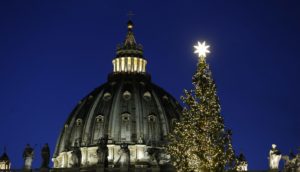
[(91, 115)]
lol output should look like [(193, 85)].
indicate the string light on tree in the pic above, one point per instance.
[(200, 142)]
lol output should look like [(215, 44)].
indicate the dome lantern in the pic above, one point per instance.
[(129, 56)]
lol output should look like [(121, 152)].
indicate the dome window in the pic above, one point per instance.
[(125, 127), (107, 96), (98, 128), (78, 122), (165, 97), (99, 118), (126, 95), (151, 118), (112, 83), (147, 96), (125, 117)]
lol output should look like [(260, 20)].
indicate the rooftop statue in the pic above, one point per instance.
[(124, 158), (291, 162), (102, 152), (28, 157), (274, 157), (45, 153), (74, 160), (154, 155), (140, 140)]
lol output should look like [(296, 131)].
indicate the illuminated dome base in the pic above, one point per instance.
[(127, 109)]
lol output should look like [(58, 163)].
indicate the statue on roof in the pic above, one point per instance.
[(75, 158), (154, 156), (291, 162), (28, 157), (77, 154), (140, 140), (45, 153), (73, 161), (102, 152), (124, 158), (274, 157)]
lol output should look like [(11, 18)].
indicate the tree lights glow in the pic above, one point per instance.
[(199, 141)]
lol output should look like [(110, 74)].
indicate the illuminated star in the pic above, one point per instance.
[(201, 49)]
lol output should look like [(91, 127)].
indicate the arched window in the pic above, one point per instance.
[(126, 95), (98, 128), (125, 127), (147, 96), (77, 130), (152, 122), (78, 122), (107, 96)]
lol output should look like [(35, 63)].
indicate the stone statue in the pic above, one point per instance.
[(274, 157), (124, 158), (154, 155), (140, 140), (56, 163), (292, 162), (73, 161), (102, 152), (77, 152), (45, 153), (28, 157), (242, 163), (289, 163)]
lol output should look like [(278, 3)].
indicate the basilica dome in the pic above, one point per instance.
[(129, 108)]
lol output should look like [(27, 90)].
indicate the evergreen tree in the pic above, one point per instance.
[(199, 141)]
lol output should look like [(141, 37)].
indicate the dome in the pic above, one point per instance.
[(129, 108)]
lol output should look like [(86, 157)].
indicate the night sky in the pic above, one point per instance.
[(53, 53)]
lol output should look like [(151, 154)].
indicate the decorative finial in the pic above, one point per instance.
[(201, 49), (129, 25)]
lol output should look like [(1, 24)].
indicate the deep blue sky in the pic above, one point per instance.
[(54, 52)]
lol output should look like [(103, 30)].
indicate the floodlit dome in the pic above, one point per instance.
[(128, 108)]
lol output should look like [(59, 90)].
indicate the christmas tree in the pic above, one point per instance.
[(199, 141)]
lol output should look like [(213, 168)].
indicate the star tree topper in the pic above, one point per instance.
[(201, 49)]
